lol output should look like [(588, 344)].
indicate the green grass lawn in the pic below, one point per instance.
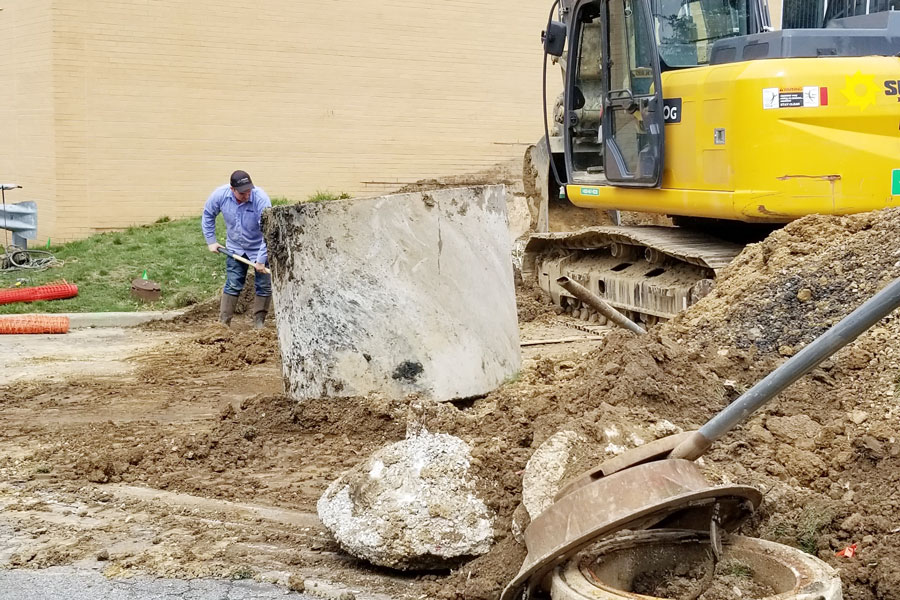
[(173, 253)]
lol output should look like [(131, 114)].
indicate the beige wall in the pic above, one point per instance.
[(27, 134), (128, 110)]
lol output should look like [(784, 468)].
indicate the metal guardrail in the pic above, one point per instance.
[(19, 218)]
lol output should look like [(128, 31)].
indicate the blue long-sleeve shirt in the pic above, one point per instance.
[(243, 233)]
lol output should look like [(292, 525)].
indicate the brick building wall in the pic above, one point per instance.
[(27, 137), (121, 111)]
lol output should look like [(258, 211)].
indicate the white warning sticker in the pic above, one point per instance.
[(809, 96)]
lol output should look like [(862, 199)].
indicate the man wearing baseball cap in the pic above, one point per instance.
[(241, 205)]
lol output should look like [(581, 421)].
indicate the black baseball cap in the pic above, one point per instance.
[(241, 182)]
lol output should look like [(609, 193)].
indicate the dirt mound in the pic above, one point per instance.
[(788, 289), (246, 439), (532, 303), (212, 348), (235, 349), (508, 173), (208, 310)]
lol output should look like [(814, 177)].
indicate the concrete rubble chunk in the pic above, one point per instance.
[(400, 294), (545, 470), (410, 505)]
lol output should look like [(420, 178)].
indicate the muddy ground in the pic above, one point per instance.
[(189, 461), (170, 450)]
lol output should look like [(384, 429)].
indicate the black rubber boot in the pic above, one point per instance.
[(261, 306), (226, 308)]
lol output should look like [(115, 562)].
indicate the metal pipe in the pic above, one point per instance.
[(847, 330), (595, 302)]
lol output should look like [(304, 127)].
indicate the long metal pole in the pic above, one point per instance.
[(847, 330), (596, 302)]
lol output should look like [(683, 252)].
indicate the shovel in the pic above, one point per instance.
[(240, 258)]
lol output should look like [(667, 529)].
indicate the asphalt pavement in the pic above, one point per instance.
[(58, 583)]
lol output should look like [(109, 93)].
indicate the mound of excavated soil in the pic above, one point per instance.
[(508, 173), (788, 289), (827, 450), (532, 303), (213, 347)]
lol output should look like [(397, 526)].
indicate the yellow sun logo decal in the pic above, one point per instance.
[(861, 90)]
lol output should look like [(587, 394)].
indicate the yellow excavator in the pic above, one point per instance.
[(698, 112)]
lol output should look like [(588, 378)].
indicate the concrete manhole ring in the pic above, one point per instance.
[(611, 569)]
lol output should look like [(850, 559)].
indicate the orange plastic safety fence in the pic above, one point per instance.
[(53, 291), (34, 324)]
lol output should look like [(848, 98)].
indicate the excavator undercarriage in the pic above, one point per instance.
[(648, 273)]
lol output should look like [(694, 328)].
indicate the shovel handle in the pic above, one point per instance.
[(240, 258), (848, 329)]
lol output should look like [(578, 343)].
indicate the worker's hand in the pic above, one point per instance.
[(214, 247), (261, 268)]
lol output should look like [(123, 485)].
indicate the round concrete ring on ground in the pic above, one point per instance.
[(608, 570)]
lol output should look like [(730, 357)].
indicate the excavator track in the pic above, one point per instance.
[(647, 272)]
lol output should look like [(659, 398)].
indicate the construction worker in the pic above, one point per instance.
[(241, 204)]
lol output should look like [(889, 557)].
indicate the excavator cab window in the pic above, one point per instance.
[(686, 29)]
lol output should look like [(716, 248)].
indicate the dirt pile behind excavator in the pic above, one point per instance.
[(785, 291)]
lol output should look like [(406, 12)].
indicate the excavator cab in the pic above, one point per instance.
[(614, 110)]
